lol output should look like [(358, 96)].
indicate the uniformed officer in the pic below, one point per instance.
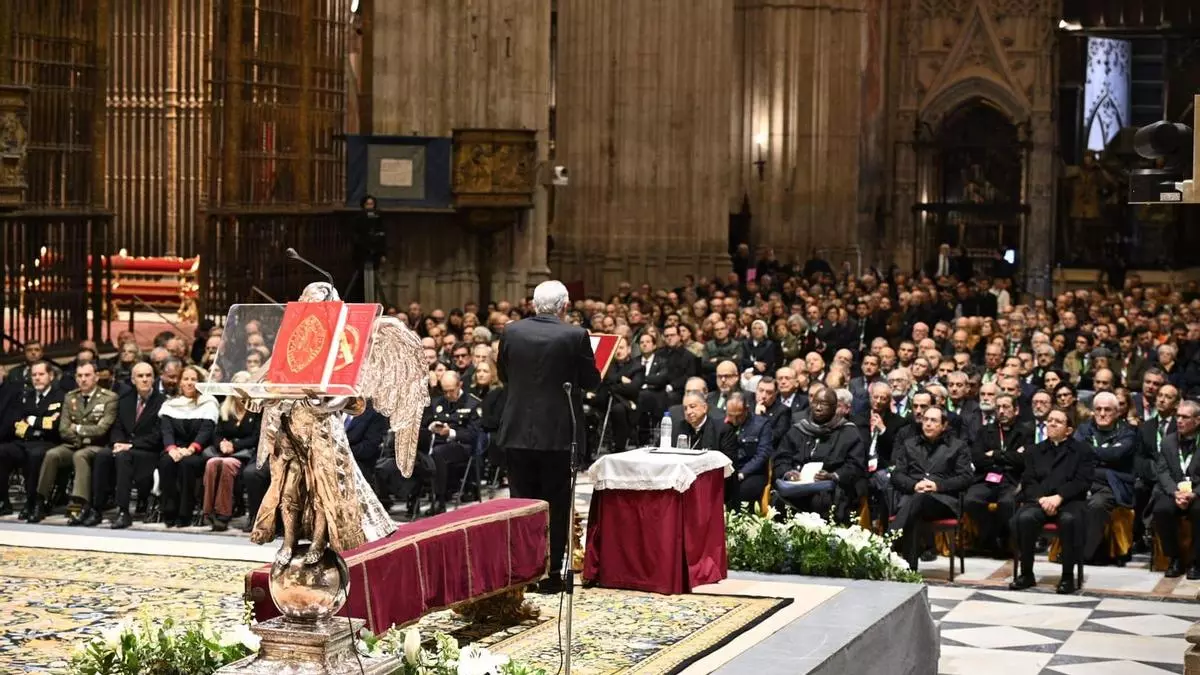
[(88, 414), (451, 425), (36, 432)]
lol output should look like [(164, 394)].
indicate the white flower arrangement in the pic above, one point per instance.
[(806, 543)]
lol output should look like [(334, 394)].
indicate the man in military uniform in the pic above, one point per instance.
[(88, 413), (449, 429), (36, 432)]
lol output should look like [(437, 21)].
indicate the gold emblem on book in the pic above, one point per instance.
[(305, 343)]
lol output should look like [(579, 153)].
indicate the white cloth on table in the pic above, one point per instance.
[(644, 470)]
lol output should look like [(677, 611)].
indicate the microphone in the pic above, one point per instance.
[(291, 253), (567, 388)]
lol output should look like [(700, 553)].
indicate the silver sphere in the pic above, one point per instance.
[(310, 593)]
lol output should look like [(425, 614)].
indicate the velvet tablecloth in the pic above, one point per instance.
[(661, 541), (437, 562)]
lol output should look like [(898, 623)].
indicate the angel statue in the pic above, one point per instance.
[(315, 482)]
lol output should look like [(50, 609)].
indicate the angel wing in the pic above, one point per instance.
[(395, 379)]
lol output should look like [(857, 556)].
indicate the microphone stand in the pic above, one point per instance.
[(568, 568)]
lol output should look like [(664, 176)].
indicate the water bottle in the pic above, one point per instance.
[(664, 432)]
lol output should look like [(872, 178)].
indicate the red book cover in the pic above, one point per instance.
[(353, 343), (604, 346), (304, 344)]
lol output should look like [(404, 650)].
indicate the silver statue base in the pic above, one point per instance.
[(322, 648)]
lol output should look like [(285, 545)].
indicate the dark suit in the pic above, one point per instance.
[(999, 455), (652, 398), (136, 465), (754, 448), (365, 434), (945, 461), (1175, 464), (537, 356), (779, 420), (713, 434), (622, 417), (1063, 469), (32, 438)]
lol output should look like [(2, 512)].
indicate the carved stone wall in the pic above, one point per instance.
[(643, 121), (950, 52), (14, 143), (797, 100), (445, 65)]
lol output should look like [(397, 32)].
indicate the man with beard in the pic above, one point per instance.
[(972, 425), (932, 469), (830, 440), (998, 454), (754, 447), (1112, 483), (727, 383)]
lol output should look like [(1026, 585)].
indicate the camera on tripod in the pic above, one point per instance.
[(1171, 180)]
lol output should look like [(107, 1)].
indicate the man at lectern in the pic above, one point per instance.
[(543, 362)]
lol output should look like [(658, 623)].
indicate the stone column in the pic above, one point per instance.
[(1039, 229), (796, 123), (442, 65), (643, 117)]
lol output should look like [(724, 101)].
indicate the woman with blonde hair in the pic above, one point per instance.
[(188, 423), (236, 444)]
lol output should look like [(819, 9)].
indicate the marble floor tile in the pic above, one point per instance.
[(971, 661), (1146, 624), (1029, 598), (996, 637), (1132, 647), (1180, 609), (949, 593), (1020, 616), (1109, 668)]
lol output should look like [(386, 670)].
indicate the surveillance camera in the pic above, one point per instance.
[(560, 176)]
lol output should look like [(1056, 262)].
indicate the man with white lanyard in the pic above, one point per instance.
[(1151, 433), (1176, 470)]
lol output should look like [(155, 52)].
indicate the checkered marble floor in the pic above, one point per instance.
[(1040, 633)]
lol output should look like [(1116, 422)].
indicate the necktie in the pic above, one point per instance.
[(349, 419), (141, 405), (1041, 432), (85, 400)]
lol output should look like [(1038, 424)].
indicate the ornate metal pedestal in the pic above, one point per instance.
[(308, 639), (325, 648)]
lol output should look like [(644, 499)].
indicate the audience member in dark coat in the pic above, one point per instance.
[(754, 448), (767, 405), (35, 432), (620, 386), (833, 441), (1054, 489), (704, 429), (998, 454), (365, 434), (763, 354), (235, 445), (932, 470), (1177, 473), (1113, 443), (134, 450)]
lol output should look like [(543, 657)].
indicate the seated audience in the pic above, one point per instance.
[(1112, 441), (754, 448), (1177, 474), (189, 421), (236, 444), (998, 454), (136, 445), (88, 414), (35, 431), (932, 470), (827, 438), (1054, 489)]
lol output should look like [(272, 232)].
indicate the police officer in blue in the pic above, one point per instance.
[(449, 429), (754, 448)]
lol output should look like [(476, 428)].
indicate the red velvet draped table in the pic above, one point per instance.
[(657, 521), (437, 562)]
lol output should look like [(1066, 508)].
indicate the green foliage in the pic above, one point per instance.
[(807, 544), (146, 647)]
